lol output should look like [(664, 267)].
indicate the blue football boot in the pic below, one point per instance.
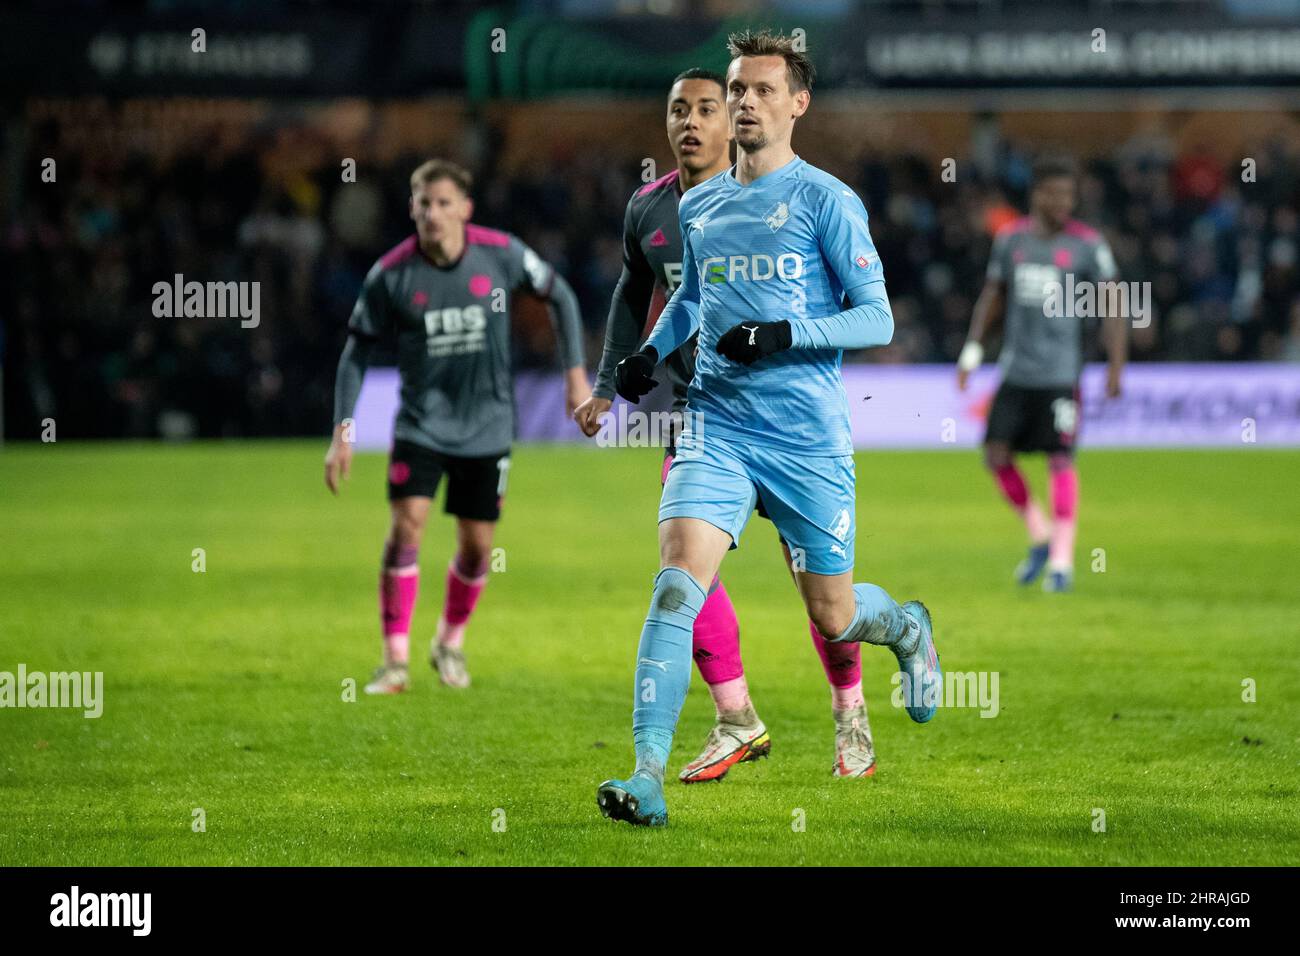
[(1028, 570), (1058, 582), (919, 663), (638, 800)]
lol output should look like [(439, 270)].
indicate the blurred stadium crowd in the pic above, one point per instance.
[(82, 345)]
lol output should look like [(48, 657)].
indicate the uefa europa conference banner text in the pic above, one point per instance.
[(918, 406)]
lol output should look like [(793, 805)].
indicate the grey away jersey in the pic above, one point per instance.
[(1038, 350), (453, 346), (652, 270)]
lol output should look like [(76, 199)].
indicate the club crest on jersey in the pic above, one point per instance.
[(777, 216)]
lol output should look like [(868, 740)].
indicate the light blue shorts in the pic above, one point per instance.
[(810, 500)]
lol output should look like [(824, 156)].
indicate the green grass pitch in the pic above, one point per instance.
[(224, 690)]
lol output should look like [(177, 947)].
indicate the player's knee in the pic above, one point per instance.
[(675, 554), (473, 558), (996, 457), (407, 530), (676, 590), (1060, 461), (830, 624), (474, 545), (830, 618)]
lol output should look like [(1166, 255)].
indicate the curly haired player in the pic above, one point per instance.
[(1036, 408)]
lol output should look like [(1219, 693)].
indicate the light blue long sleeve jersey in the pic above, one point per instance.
[(790, 245)]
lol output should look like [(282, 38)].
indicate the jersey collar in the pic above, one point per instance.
[(449, 267), (776, 175)]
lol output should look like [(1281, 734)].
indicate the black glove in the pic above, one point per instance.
[(747, 343), (632, 375)]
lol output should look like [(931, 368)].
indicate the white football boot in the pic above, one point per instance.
[(389, 679), (449, 662), (727, 745), (854, 754)]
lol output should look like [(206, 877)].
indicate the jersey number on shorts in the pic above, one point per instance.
[(1065, 411)]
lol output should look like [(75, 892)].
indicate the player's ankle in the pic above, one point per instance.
[(744, 716), (651, 770), (846, 716), (911, 637), (847, 698)]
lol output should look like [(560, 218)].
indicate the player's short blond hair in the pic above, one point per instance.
[(432, 170), (799, 69)]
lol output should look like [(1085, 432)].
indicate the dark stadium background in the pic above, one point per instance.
[(228, 168)]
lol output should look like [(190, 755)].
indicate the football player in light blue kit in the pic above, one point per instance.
[(772, 248)]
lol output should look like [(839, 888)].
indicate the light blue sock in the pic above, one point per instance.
[(663, 669), (878, 619)]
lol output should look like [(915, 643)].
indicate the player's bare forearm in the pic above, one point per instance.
[(987, 313), (577, 389), (1115, 331), (338, 460), (1115, 336)]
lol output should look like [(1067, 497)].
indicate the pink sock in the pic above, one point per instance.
[(464, 585), (1016, 492), (399, 581), (1065, 509), (842, 663), (715, 640), (715, 645)]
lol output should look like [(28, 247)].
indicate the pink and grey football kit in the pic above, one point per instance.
[(1036, 408), (450, 326)]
